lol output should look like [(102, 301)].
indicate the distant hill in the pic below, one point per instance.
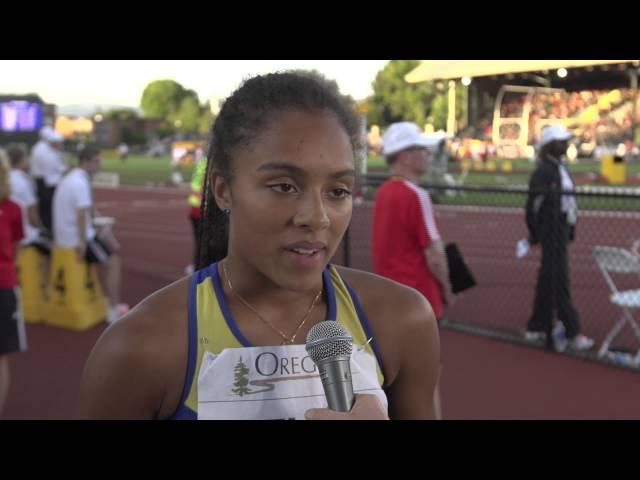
[(89, 110)]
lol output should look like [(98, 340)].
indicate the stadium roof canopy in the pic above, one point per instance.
[(455, 69)]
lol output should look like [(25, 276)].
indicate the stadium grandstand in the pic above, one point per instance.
[(511, 101)]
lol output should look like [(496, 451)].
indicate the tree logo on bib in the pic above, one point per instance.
[(271, 369), (241, 379)]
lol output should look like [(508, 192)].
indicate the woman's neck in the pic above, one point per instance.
[(267, 308), (251, 283)]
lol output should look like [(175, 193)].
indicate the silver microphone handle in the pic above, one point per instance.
[(335, 373)]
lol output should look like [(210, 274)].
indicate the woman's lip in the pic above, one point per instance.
[(306, 246), (295, 249), (306, 261)]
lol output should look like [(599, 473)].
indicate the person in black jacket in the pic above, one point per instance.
[(551, 219)]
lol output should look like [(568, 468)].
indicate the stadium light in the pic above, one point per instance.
[(466, 81), (562, 72)]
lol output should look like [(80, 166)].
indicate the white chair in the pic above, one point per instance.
[(619, 260)]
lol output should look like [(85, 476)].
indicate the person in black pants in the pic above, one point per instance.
[(551, 218)]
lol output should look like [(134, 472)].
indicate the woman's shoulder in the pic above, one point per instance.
[(160, 311), (158, 322), (400, 317), (380, 293), (144, 352)]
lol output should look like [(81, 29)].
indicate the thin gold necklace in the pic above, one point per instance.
[(286, 339)]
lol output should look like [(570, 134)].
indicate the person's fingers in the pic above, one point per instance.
[(323, 414)]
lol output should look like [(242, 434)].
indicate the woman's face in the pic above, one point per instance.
[(290, 197), (558, 148)]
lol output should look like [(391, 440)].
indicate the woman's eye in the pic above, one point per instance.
[(283, 188), (340, 193)]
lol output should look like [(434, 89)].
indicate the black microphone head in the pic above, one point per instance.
[(328, 339)]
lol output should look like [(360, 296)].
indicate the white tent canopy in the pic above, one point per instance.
[(454, 69)]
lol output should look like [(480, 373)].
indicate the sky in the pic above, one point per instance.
[(121, 82)]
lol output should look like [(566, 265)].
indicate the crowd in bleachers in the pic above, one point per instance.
[(601, 117)]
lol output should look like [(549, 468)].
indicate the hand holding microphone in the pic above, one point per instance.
[(329, 345), (366, 407)]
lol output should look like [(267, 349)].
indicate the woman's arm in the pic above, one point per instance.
[(136, 369), (411, 394), (120, 380)]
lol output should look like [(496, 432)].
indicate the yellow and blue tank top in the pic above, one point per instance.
[(212, 329)]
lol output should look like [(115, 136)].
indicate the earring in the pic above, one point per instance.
[(226, 211)]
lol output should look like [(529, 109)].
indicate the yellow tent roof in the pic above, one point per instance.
[(451, 69)]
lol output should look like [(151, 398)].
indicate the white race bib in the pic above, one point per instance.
[(272, 383)]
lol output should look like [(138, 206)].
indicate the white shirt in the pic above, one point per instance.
[(23, 194), (73, 193), (569, 204), (48, 163), (37, 154)]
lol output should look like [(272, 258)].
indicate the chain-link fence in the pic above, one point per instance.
[(487, 224)]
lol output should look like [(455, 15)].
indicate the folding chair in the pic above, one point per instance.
[(619, 260)]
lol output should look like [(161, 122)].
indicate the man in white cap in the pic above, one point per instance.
[(47, 168), (551, 218), (406, 243)]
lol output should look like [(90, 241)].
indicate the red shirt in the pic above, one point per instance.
[(10, 234), (194, 212), (403, 227)]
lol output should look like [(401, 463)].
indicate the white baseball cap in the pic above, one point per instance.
[(402, 135), (554, 132)]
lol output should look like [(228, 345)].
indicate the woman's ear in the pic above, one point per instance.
[(220, 190)]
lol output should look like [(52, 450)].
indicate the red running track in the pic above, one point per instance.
[(481, 378)]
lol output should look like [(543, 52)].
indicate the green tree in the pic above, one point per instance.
[(186, 118), (120, 114), (241, 380), (162, 98), (178, 106), (206, 119), (133, 137), (394, 99), (440, 106)]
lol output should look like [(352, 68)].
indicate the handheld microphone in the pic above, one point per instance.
[(329, 345)]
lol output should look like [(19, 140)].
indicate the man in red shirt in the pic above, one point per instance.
[(406, 243), (12, 333)]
